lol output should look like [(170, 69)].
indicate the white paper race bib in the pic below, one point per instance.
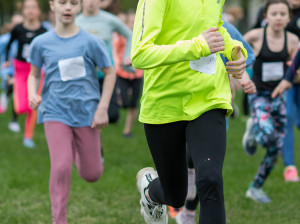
[(205, 65), (72, 68), (272, 71), (25, 52)]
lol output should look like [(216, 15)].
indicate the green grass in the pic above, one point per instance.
[(24, 175)]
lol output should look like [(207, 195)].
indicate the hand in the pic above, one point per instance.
[(282, 86), (35, 101), (237, 66), (127, 61), (100, 119), (248, 86), (6, 64), (214, 40), (10, 80)]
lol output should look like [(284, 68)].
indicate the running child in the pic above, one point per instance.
[(103, 24), (273, 47), (24, 33), (69, 106), (129, 82), (7, 74), (186, 97)]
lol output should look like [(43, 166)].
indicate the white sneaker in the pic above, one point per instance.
[(191, 185), (14, 126), (249, 142), (257, 194), (153, 213), (184, 217)]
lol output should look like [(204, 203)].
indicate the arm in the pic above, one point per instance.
[(235, 52), (122, 29), (101, 116), (7, 50), (32, 85), (247, 84), (145, 52), (236, 35), (289, 75), (286, 83)]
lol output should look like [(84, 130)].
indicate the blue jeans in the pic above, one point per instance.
[(293, 116)]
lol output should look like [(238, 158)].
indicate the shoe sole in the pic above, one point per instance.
[(293, 181), (249, 195)]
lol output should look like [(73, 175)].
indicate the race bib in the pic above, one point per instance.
[(272, 71), (72, 68), (205, 65)]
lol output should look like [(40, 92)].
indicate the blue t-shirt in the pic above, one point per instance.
[(70, 91)]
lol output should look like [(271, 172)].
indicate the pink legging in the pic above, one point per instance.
[(21, 103), (67, 144)]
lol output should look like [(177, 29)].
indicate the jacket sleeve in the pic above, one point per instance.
[(146, 54), (291, 71), (122, 29)]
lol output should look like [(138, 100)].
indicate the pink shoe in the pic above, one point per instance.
[(291, 174), (2, 110)]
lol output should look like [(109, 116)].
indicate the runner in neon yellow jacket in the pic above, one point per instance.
[(166, 37), (185, 99)]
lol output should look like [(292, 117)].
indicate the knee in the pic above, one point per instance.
[(210, 183), (93, 176), (61, 171), (270, 139)]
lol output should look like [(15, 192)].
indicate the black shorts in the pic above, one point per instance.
[(130, 91)]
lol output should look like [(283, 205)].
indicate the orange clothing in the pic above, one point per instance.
[(119, 46)]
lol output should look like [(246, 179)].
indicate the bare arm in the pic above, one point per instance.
[(101, 116), (254, 38), (32, 82)]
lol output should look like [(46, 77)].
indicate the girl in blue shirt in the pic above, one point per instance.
[(70, 106)]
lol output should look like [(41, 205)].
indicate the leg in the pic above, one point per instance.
[(132, 113), (167, 144), (124, 86), (288, 146), (87, 153), (113, 110), (206, 139), (59, 138), (30, 123), (275, 123)]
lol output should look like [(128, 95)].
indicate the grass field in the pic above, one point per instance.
[(24, 175)]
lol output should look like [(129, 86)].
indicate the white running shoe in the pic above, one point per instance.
[(153, 213), (249, 142), (191, 185), (14, 126), (257, 194)]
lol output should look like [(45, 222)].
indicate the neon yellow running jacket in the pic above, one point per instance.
[(182, 78)]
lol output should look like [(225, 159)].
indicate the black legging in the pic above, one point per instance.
[(8, 93), (206, 140)]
